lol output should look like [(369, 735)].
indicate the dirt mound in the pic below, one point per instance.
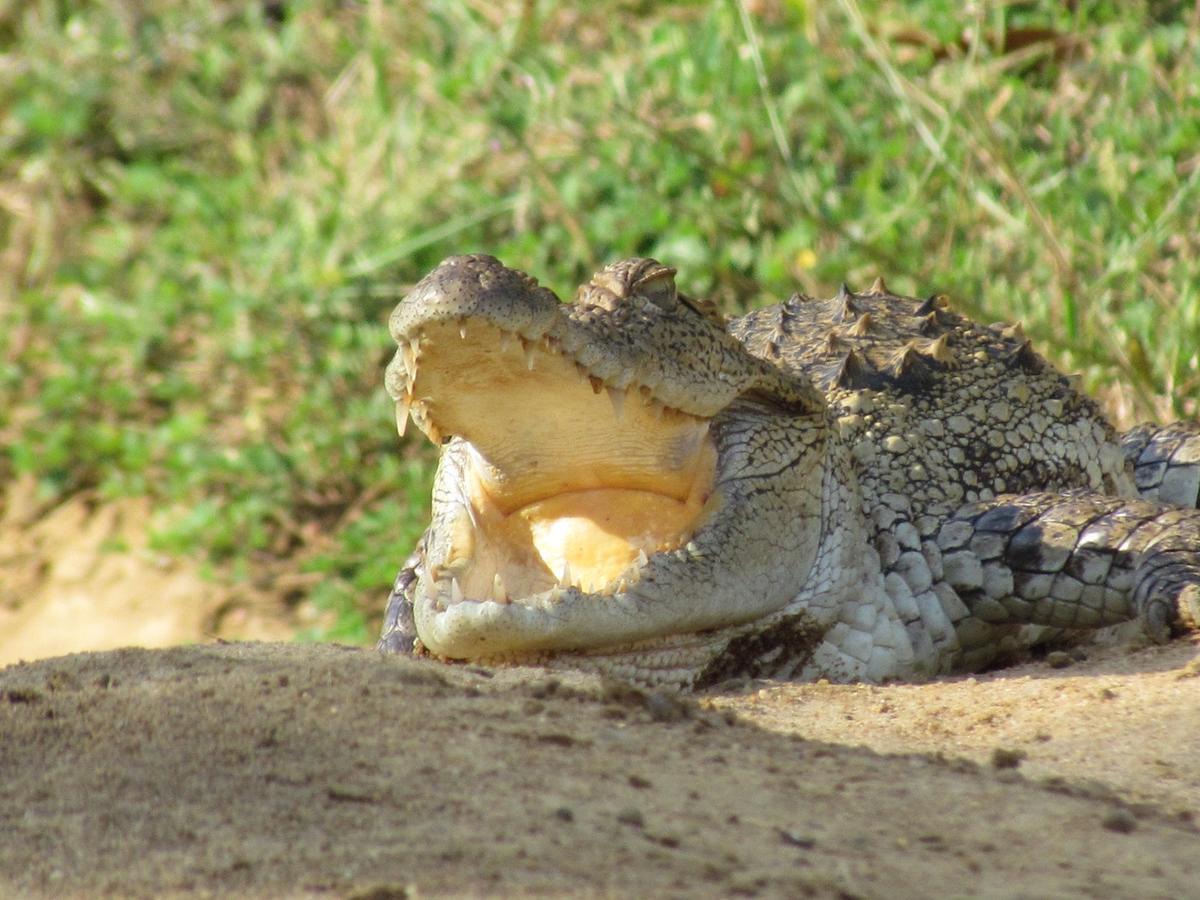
[(272, 770), (82, 576)]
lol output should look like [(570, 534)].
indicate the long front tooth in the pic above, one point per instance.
[(528, 350), (456, 591), (617, 398), (499, 593), (402, 407)]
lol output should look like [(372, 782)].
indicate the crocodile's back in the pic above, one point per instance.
[(936, 408)]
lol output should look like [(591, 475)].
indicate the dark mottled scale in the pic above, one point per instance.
[(1025, 357), (399, 633), (1132, 557), (1007, 517), (1166, 461)]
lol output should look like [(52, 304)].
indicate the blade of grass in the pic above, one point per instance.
[(364, 267)]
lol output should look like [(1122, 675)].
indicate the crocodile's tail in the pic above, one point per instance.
[(1166, 461)]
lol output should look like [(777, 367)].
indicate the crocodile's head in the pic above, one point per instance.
[(618, 474)]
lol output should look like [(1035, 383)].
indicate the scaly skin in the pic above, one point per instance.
[(869, 487)]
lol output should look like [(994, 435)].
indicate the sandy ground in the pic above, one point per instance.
[(280, 770), (287, 770)]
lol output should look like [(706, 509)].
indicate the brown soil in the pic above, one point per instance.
[(288, 770), (82, 576)]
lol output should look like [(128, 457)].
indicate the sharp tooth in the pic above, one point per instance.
[(506, 341), (641, 559), (402, 407), (456, 592), (411, 351), (462, 329), (527, 348), (564, 577), (617, 399), (622, 586), (499, 594)]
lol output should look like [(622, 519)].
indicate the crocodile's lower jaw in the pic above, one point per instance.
[(597, 481)]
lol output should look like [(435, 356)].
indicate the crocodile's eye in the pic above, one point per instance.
[(656, 284), (630, 283)]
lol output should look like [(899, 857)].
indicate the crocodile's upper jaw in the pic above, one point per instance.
[(586, 501), (565, 482)]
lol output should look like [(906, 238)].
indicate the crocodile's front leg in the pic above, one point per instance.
[(399, 633), (1076, 561), (1166, 461)]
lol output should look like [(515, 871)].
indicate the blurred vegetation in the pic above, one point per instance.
[(208, 209)]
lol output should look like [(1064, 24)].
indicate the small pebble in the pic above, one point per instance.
[(1006, 758), (1120, 820), (797, 838), (1059, 660), (631, 816)]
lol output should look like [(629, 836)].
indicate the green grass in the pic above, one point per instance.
[(207, 210)]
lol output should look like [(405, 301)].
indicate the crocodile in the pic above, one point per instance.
[(869, 487)]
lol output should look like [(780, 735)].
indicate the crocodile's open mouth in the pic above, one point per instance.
[(564, 479)]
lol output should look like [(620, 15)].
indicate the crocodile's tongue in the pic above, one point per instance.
[(571, 480)]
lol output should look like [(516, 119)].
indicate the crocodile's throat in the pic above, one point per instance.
[(564, 480)]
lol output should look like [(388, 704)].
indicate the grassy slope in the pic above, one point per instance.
[(206, 212)]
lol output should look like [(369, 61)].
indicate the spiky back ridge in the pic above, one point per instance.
[(935, 407), (877, 340)]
